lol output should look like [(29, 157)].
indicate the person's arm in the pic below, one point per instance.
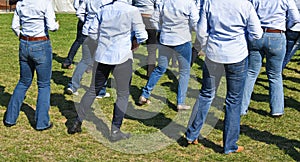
[(138, 27), (254, 27), (293, 16), (202, 29), (81, 11), (15, 26), (194, 15), (51, 23)]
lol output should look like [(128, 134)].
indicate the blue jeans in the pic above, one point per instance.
[(76, 44), (235, 77), (293, 44), (88, 51), (273, 46), (183, 53), (33, 56)]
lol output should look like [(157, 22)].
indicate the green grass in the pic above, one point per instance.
[(156, 128)]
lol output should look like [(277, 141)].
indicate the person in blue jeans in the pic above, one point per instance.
[(173, 19), (67, 64), (30, 19), (223, 39), (273, 17)]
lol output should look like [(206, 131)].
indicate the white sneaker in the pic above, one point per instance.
[(183, 107), (71, 92), (103, 96)]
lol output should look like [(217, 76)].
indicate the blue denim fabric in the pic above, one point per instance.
[(235, 77), (33, 56), (293, 44), (183, 53), (273, 46), (76, 44), (88, 49)]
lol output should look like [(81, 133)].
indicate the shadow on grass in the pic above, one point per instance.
[(66, 108), (158, 120), (287, 145)]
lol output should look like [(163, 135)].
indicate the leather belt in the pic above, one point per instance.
[(34, 38), (146, 15), (270, 30)]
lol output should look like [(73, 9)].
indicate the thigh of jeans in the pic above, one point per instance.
[(165, 53), (41, 54), (235, 76), (276, 48), (184, 54)]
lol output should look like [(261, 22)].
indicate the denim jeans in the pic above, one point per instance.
[(273, 46), (88, 49), (235, 76), (151, 45), (76, 44), (33, 56), (183, 53), (122, 74), (293, 44)]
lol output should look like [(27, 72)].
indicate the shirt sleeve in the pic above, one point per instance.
[(194, 16), (253, 26), (16, 23), (81, 11), (139, 27), (51, 23), (203, 29), (76, 4), (293, 16)]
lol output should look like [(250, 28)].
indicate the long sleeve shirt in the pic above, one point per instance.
[(222, 29), (87, 12), (77, 3), (173, 18), (117, 21), (34, 18), (144, 6), (273, 14)]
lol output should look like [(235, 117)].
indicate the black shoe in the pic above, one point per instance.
[(49, 127), (118, 135), (8, 125), (76, 127)]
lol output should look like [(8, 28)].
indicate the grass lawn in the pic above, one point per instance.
[(157, 129)]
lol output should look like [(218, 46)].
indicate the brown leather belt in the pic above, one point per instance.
[(270, 30), (34, 38), (146, 15)]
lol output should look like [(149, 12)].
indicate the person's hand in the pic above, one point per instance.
[(134, 45)]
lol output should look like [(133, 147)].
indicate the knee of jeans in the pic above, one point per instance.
[(26, 82), (43, 84), (161, 69)]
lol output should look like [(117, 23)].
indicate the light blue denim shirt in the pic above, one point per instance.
[(292, 25), (77, 3), (173, 18), (117, 22), (273, 14), (144, 6), (34, 18), (222, 29), (87, 13)]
